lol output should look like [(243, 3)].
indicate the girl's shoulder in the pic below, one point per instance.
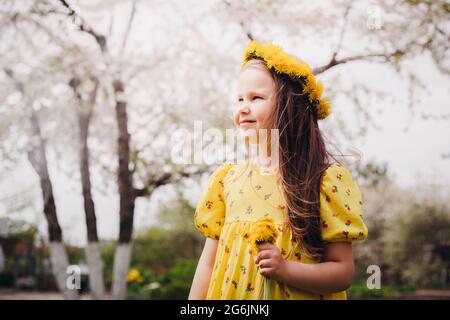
[(336, 171), (221, 171), (341, 206), (226, 166)]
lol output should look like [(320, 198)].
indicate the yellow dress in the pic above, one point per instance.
[(240, 194)]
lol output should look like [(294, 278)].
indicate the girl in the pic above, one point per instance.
[(315, 204)]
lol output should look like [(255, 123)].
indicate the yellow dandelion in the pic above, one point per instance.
[(262, 230), (134, 276), (323, 109)]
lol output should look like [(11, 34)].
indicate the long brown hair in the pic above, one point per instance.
[(303, 159)]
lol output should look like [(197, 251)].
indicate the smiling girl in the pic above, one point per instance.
[(315, 203)]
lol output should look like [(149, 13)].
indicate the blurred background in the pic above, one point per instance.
[(91, 93)]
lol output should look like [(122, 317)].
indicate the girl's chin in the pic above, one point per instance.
[(248, 136), (248, 126)]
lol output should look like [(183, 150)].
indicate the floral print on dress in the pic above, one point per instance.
[(210, 212), (342, 211), (230, 201), (267, 196)]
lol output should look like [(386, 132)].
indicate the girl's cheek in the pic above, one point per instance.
[(235, 119)]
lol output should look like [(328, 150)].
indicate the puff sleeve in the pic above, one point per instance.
[(341, 207), (210, 211)]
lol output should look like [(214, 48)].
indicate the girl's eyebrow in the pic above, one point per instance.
[(255, 93)]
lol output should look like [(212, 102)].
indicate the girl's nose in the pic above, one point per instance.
[(244, 110)]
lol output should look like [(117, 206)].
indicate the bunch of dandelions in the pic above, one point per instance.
[(256, 233)]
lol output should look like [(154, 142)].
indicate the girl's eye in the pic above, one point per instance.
[(240, 99), (257, 97)]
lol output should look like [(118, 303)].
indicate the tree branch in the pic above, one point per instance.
[(83, 26), (344, 27), (154, 182), (247, 33), (92, 96), (127, 31), (334, 62)]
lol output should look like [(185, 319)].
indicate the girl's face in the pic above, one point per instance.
[(255, 96)]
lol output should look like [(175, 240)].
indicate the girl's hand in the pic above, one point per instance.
[(271, 262)]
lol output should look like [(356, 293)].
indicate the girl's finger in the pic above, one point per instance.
[(266, 271), (264, 263), (263, 255), (265, 246)]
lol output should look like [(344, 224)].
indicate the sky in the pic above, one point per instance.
[(412, 149)]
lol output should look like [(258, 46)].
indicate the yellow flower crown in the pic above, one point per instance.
[(278, 60)]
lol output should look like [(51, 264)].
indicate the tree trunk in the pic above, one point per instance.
[(92, 250), (58, 256), (126, 194), (2, 260), (121, 264), (38, 160), (95, 264), (60, 262)]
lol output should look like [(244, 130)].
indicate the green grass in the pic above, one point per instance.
[(360, 291)]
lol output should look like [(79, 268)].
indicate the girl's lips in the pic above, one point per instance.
[(246, 123)]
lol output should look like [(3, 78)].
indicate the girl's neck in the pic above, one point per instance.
[(263, 161), (260, 160)]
